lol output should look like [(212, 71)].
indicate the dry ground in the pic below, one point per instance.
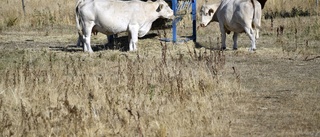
[(49, 87)]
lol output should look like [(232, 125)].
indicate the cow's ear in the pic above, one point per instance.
[(210, 12), (160, 7)]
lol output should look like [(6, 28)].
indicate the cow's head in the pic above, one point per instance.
[(164, 10), (206, 13)]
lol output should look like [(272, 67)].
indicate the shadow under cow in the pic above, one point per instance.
[(120, 43)]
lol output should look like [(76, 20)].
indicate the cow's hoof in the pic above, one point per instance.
[(133, 50), (235, 48), (252, 50), (223, 48)]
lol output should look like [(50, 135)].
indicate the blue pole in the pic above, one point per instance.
[(174, 23), (194, 18)]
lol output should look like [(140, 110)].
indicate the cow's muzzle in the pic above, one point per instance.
[(172, 17)]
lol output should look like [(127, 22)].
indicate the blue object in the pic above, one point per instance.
[(194, 18), (175, 8), (174, 23)]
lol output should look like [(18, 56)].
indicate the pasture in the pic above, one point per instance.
[(49, 87)]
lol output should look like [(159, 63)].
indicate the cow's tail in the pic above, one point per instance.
[(78, 20), (255, 19)]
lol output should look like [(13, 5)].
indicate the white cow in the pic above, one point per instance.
[(235, 15), (206, 12), (115, 16)]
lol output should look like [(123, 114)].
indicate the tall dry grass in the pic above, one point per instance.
[(287, 5), (39, 13), (51, 13), (46, 93)]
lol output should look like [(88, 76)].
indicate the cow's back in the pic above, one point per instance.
[(114, 16), (235, 14)]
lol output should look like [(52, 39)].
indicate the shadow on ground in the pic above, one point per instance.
[(120, 43)]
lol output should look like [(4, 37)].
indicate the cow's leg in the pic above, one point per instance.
[(111, 39), (110, 43), (256, 27), (80, 41), (223, 36), (235, 39), (250, 32), (86, 37), (129, 40), (257, 33), (258, 23), (133, 29), (223, 41)]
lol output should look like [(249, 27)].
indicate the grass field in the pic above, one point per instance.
[(49, 87)]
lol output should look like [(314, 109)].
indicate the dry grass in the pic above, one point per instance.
[(39, 14), (49, 88), (287, 5), (50, 14), (52, 94)]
